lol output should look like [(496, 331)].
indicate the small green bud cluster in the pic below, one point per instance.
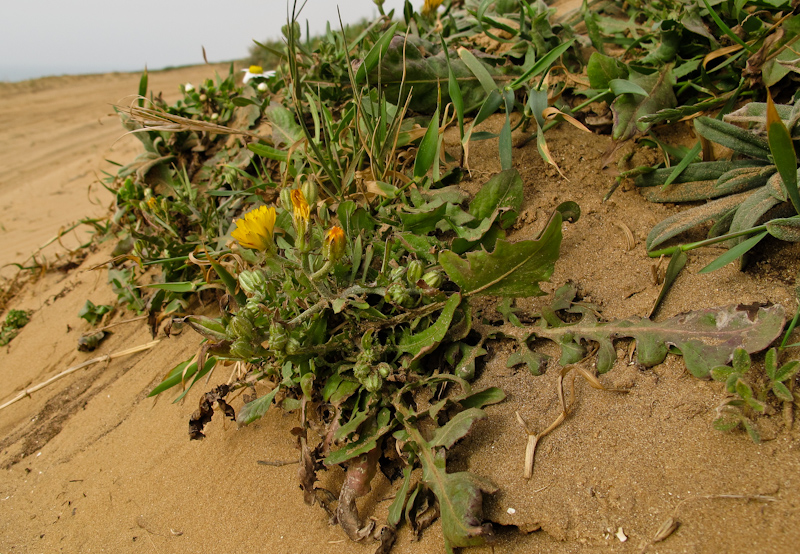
[(254, 283)]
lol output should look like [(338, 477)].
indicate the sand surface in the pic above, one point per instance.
[(90, 464)]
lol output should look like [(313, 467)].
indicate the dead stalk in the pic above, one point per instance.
[(533, 438), (103, 358)]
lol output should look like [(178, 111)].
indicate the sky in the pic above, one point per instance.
[(41, 38)]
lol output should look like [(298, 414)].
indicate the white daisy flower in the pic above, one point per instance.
[(188, 87), (256, 71)]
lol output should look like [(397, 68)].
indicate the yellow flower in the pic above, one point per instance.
[(254, 230), (299, 206), (430, 6), (333, 247)]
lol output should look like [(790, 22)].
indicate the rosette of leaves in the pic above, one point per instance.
[(750, 197)]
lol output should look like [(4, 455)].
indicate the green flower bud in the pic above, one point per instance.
[(278, 337), (240, 327), (361, 370), (396, 274), (466, 372), (433, 279), (253, 282), (293, 346), (241, 348), (414, 272), (286, 199), (397, 293), (373, 382), (309, 189), (384, 369)]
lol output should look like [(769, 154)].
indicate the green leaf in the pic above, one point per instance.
[(734, 253), (285, 130), (787, 228), (787, 371), (375, 55), (541, 64), (427, 340), (535, 361), (782, 148), (782, 392), (676, 263), (624, 86), (428, 152), (396, 509), (733, 137), (229, 280), (628, 108), (478, 69), (504, 191), (486, 397), (706, 338), (182, 286), (513, 269), (455, 429), (602, 69), (423, 220), (460, 497), (142, 88), (257, 408)]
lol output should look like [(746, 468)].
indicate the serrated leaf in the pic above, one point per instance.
[(512, 269), (455, 429), (535, 361), (706, 338)]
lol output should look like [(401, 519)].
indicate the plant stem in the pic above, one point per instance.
[(707, 242)]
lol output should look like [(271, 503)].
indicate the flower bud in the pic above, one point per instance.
[(241, 348), (384, 369), (262, 87), (203, 97), (188, 88), (214, 116), (293, 346), (397, 294), (373, 382), (433, 279), (333, 247), (414, 272), (397, 273), (286, 199), (278, 337), (361, 370), (253, 282), (310, 191), (240, 327)]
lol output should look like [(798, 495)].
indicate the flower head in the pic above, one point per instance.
[(333, 247), (430, 6), (255, 71), (254, 230), (299, 206), (188, 87)]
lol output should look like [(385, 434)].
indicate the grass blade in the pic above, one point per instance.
[(734, 253), (782, 148)]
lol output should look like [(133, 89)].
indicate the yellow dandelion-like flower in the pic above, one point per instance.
[(254, 230), (431, 6), (300, 209), (333, 247)]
